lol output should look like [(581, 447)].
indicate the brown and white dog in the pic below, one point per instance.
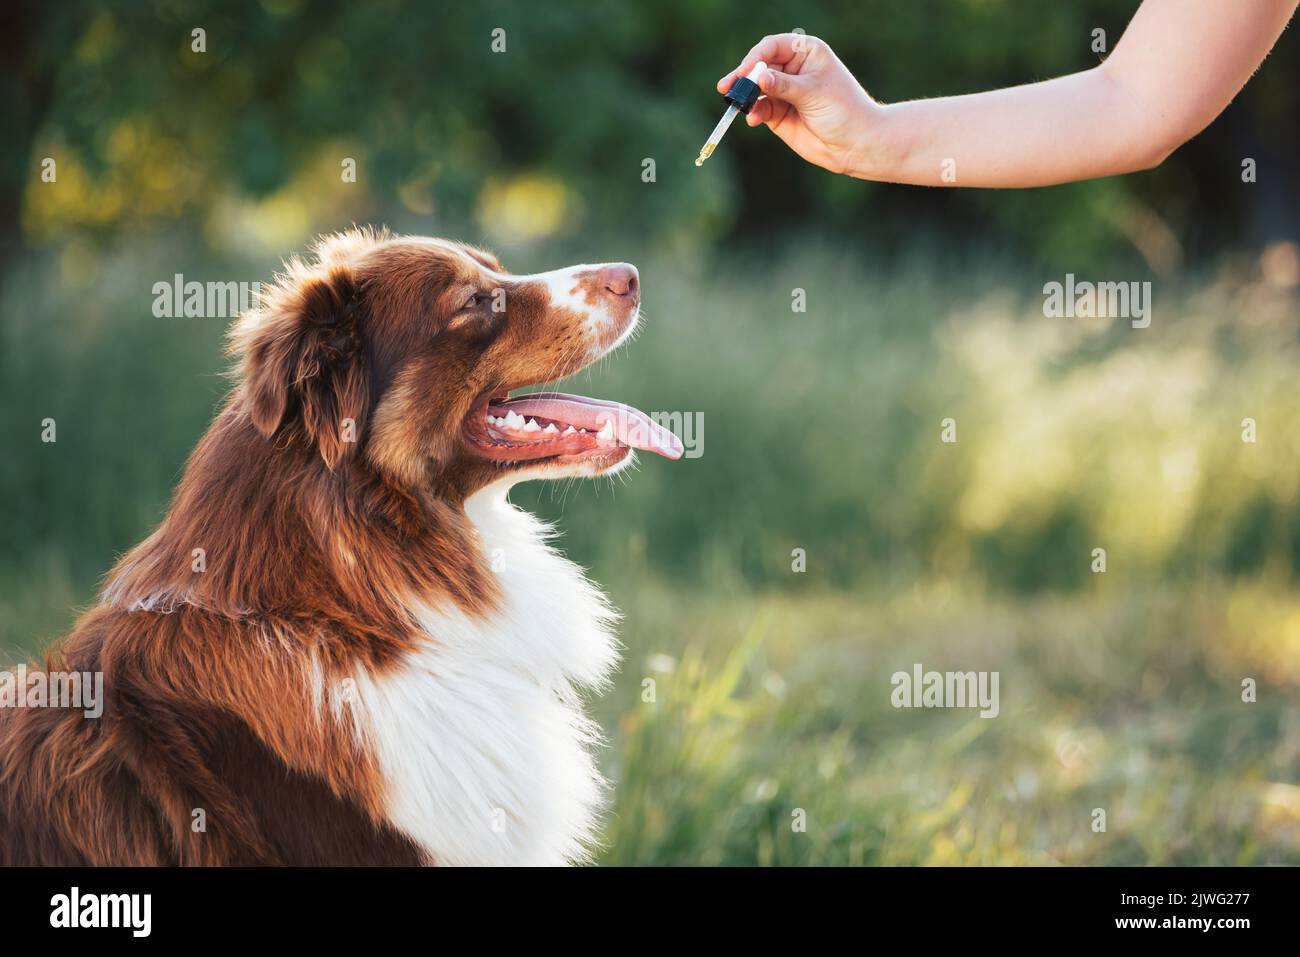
[(374, 658)]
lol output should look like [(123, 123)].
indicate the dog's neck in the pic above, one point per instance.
[(357, 544)]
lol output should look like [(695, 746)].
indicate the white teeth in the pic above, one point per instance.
[(490, 419), (608, 431), (551, 428), (570, 430), (532, 426), (514, 420), (583, 431)]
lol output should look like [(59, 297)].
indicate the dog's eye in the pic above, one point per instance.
[(475, 311)]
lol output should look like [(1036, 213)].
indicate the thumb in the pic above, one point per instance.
[(793, 89)]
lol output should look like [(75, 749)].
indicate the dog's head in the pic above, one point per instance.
[(400, 353)]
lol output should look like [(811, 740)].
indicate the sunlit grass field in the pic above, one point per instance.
[(753, 696), (766, 704)]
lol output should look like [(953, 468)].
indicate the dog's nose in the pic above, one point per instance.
[(621, 280)]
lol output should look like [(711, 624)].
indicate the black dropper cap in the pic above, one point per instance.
[(743, 94)]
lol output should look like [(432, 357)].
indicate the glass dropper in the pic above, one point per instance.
[(740, 99)]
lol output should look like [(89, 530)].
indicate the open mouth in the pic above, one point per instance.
[(545, 425)]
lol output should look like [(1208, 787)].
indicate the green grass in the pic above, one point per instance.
[(774, 703)]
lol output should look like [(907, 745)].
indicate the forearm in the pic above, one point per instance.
[(1179, 63), (1074, 127)]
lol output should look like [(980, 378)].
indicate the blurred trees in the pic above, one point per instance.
[(550, 134)]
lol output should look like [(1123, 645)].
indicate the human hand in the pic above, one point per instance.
[(812, 102)]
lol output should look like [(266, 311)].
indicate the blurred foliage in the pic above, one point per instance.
[(252, 132)]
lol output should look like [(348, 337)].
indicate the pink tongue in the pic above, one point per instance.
[(631, 426)]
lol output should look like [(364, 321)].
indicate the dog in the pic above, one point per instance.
[(343, 646)]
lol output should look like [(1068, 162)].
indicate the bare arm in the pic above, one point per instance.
[(1179, 63)]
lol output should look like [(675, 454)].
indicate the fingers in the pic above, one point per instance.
[(786, 50), (771, 113), (785, 86), (767, 49)]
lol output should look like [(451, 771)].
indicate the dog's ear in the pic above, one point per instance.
[(304, 361)]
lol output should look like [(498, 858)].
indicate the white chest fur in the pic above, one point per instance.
[(481, 738)]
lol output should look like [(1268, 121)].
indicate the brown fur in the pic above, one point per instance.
[(312, 545)]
